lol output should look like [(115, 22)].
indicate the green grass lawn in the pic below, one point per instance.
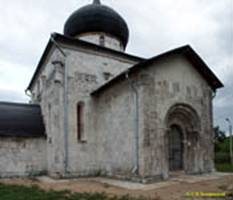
[(14, 192), (224, 167)]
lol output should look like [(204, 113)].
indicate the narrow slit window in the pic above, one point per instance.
[(80, 121), (102, 41)]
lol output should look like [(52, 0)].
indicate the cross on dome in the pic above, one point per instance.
[(96, 2)]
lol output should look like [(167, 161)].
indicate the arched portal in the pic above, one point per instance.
[(182, 138)]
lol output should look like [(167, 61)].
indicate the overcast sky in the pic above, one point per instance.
[(155, 26)]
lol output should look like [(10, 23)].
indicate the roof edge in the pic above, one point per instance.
[(41, 62), (205, 70), (82, 43), (185, 50), (19, 104), (11, 135), (79, 43)]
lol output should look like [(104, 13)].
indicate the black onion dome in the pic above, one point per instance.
[(97, 18)]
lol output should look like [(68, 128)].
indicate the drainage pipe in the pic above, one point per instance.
[(136, 122)]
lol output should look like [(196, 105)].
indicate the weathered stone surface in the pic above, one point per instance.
[(160, 99), (86, 72), (169, 92), (22, 157), (103, 39)]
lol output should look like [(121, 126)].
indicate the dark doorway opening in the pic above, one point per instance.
[(175, 145)]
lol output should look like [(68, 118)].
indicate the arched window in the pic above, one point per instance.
[(80, 121)]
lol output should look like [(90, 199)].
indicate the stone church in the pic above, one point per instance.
[(96, 110)]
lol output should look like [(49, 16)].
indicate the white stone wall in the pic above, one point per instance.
[(114, 125), (47, 73), (86, 73), (108, 41), (160, 86), (167, 83), (22, 157), (108, 147), (87, 70)]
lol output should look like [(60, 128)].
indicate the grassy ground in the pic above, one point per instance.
[(87, 189), (16, 192), (224, 167)]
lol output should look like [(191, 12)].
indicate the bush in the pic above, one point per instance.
[(222, 157), (225, 167), (223, 146)]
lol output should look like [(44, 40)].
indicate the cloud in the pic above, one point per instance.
[(13, 81), (13, 95), (155, 27), (206, 25), (223, 105)]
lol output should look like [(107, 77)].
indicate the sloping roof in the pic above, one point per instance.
[(61, 39), (21, 120), (187, 51)]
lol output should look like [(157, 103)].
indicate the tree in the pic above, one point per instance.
[(219, 138), (220, 135)]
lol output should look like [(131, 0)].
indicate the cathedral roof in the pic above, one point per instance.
[(21, 120), (187, 51), (97, 18)]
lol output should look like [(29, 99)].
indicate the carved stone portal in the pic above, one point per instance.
[(182, 138)]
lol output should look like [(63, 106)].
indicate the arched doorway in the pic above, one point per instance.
[(175, 145), (182, 139)]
